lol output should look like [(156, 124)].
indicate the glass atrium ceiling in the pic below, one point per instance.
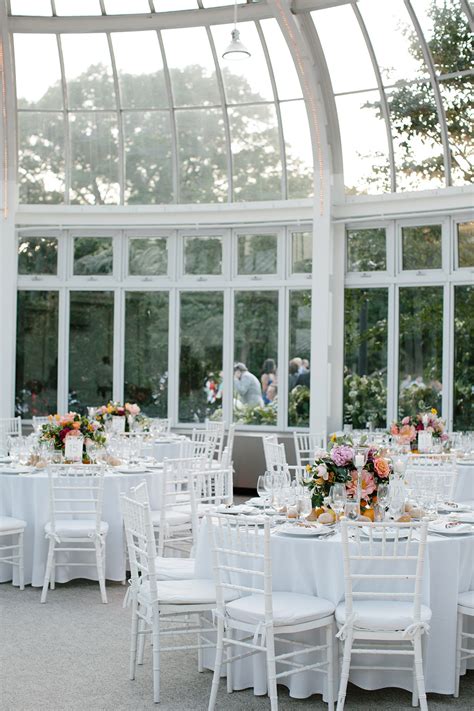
[(157, 116)]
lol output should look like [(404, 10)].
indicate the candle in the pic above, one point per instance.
[(359, 461), (398, 466)]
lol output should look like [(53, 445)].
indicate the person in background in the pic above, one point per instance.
[(294, 367), (269, 381), (304, 365), (247, 386)]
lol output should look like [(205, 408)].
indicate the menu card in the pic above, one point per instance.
[(73, 448)]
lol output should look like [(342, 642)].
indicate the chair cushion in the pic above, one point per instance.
[(382, 615), (174, 568), (288, 608), (8, 523), (76, 528), (183, 592), (466, 599), (173, 517)]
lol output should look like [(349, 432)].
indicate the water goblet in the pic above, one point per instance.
[(351, 509), (338, 498)]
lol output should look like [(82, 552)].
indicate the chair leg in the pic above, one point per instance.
[(217, 665), (52, 578), (155, 637), (21, 561), (100, 558), (271, 670), (47, 573), (199, 642), (420, 680), (458, 655), (133, 639), (346, 665), (141, 641), (230, 651), (330, 660), (414, 693)]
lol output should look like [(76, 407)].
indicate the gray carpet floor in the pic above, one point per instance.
[(72, 654)]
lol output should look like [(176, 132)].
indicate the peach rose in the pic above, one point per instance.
[(76, 425), (382, 467)]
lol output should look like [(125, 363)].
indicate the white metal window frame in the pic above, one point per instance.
[(447, 278), (291, 230), (225, 237), (128, 236)]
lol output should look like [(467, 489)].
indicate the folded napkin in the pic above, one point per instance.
[(240, 509), (451, 506), (464, 516), (449, 527)]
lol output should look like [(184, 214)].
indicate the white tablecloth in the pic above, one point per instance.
[(465, 483), (314, 567), (26, 497), (163, 449)]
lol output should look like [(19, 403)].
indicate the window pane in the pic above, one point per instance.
[(41, 147), (365, 357), (202, 156), (256, 347), (94, 149), (366, 250), (421, 247), (88, 70), (301, 252), (91, 336), (30, 7), (93, 256), (140, 70), (300, 358), (299, 153), (124, 7), (200, 358), (38, 255), (146, 351), (148, 256), (257, 254), (466, 244), (421, 349), (286, 77), (463, 360), (36, 378), (457, 99), (38, 82), (203, 255), (193, 74), (255, 153), (148, 158), (85, 7)]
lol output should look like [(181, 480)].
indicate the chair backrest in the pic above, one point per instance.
[(38, 422), (76, 493), (140, 539), (383, 561), (241, 558), (433, 474), (230, 442), (306, 445), (205, 443), (9, 426), (275, 455), (178, 491), (160, 425), (214, 486)]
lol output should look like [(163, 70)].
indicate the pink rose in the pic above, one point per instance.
[(322, 471), (406, 421), (382, 467), (367, 484)]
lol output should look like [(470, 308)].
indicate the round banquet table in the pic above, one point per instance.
[(315, 567), (464, 490), (27, 497), (161, 449)]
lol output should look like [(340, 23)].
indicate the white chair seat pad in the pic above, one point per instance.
[(172, 517), (75, 528), (8, 523), (288, 608), (174, 568), (382, 615), (466, 599), (183, 592)]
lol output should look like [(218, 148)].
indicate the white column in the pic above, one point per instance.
[(8, 252)]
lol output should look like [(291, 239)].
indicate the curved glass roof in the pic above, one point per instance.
[(156, 116)]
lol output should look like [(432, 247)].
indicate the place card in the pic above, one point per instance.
[(425, 441), (73, 448), (118, 423)]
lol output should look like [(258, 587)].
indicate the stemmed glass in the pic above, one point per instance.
[(262, 490), (351, 509), (383, 498), (338, 498)]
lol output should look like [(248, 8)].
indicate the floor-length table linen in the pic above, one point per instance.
[(315, 567), (27, 497), (464, 490)]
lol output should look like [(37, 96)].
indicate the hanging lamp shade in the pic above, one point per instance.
[(236, 50)]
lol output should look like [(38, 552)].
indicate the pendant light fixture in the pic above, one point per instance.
[(236, 51)]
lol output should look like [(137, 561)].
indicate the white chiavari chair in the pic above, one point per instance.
[(229, 445), (160, 425), (306, 446), (259, 616), (204, 443), (218, 429), (13, 553), (383, 575), (182, 603), (75, 503), (275, 458), (434, 474), (38, 422), (465, 610), (9, 427)]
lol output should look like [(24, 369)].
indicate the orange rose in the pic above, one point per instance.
[(76, 425), (382, 467)]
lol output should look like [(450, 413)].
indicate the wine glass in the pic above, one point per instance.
[(338, 498), (262, 490), (351, 509), (383, 497)]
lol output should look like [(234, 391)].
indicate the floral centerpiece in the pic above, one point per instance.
[(72, 424), (406, 430), (337, 465), (115, 409)]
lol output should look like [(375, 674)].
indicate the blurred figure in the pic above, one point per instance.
[(269, 381), (304, 365), (247, 386), (294, 368)]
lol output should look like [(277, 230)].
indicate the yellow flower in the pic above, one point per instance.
[(333, 437), (308, 467), (434, 411)]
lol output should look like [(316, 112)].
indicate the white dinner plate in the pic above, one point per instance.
[(390, 534), (5, 460), (466, 462), (464, 516), (450, 528), (14, 470), (257, 501), (131, 470), (300, 531), (241, 509)]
